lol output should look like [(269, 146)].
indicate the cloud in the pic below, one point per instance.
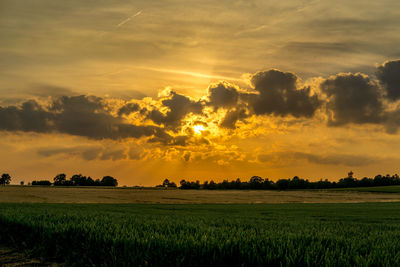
[(29, 117), (222, 95), (113, 154), (322, 48), (352, 98), (75, 115), (86, 116), (346, 97), (232, 116), (128, 109), (90, 152), (136, 152), (45, 90), (392, 121), (278, 95), (186, 156), (338, 159), (86, 152), (389, 76), (178, 107), (328, 159)]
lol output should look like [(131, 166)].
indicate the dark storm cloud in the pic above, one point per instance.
[(222, 95), (76, 115), (179, 106), (353, 98), (389, 76), (278, 95)]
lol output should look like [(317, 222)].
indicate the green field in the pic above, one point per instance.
[(206, 234)]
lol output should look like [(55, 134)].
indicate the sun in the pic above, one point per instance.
[(198, 128)]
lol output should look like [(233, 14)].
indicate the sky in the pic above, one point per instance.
[(199, 90)]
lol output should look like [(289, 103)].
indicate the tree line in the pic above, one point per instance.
[(61, 180), (5, 178), (257, 182)]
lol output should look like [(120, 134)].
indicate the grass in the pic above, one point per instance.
[(206, 234)]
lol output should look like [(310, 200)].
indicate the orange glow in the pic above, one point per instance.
[(198, 128)]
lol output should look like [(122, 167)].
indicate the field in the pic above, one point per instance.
[(375, 189), (148, 227), (12, 258), (39, 194), (362, 234)]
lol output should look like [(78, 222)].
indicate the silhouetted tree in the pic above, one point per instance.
[(109, 181), (268, 184), (5, 179), (77, 179), (89, 181), (183, 184), (225, 184), (321, 184), (349, 181), (256, 182), (282, 184), (350, 174), (189, 185), (212, 185), (42, 182), (165, 183), (364, 182), (238, 184), (60, 179), (297, 183)]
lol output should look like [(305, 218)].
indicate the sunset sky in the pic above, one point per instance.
[(148, 90)]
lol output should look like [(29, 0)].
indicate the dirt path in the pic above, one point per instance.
[(12, 258)]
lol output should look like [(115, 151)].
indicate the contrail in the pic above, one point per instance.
[(279, 19), (194, 74), (129, 18), (174, 71)]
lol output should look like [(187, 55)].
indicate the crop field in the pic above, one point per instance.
[(42, 194), (374, 189), (360, 234)]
